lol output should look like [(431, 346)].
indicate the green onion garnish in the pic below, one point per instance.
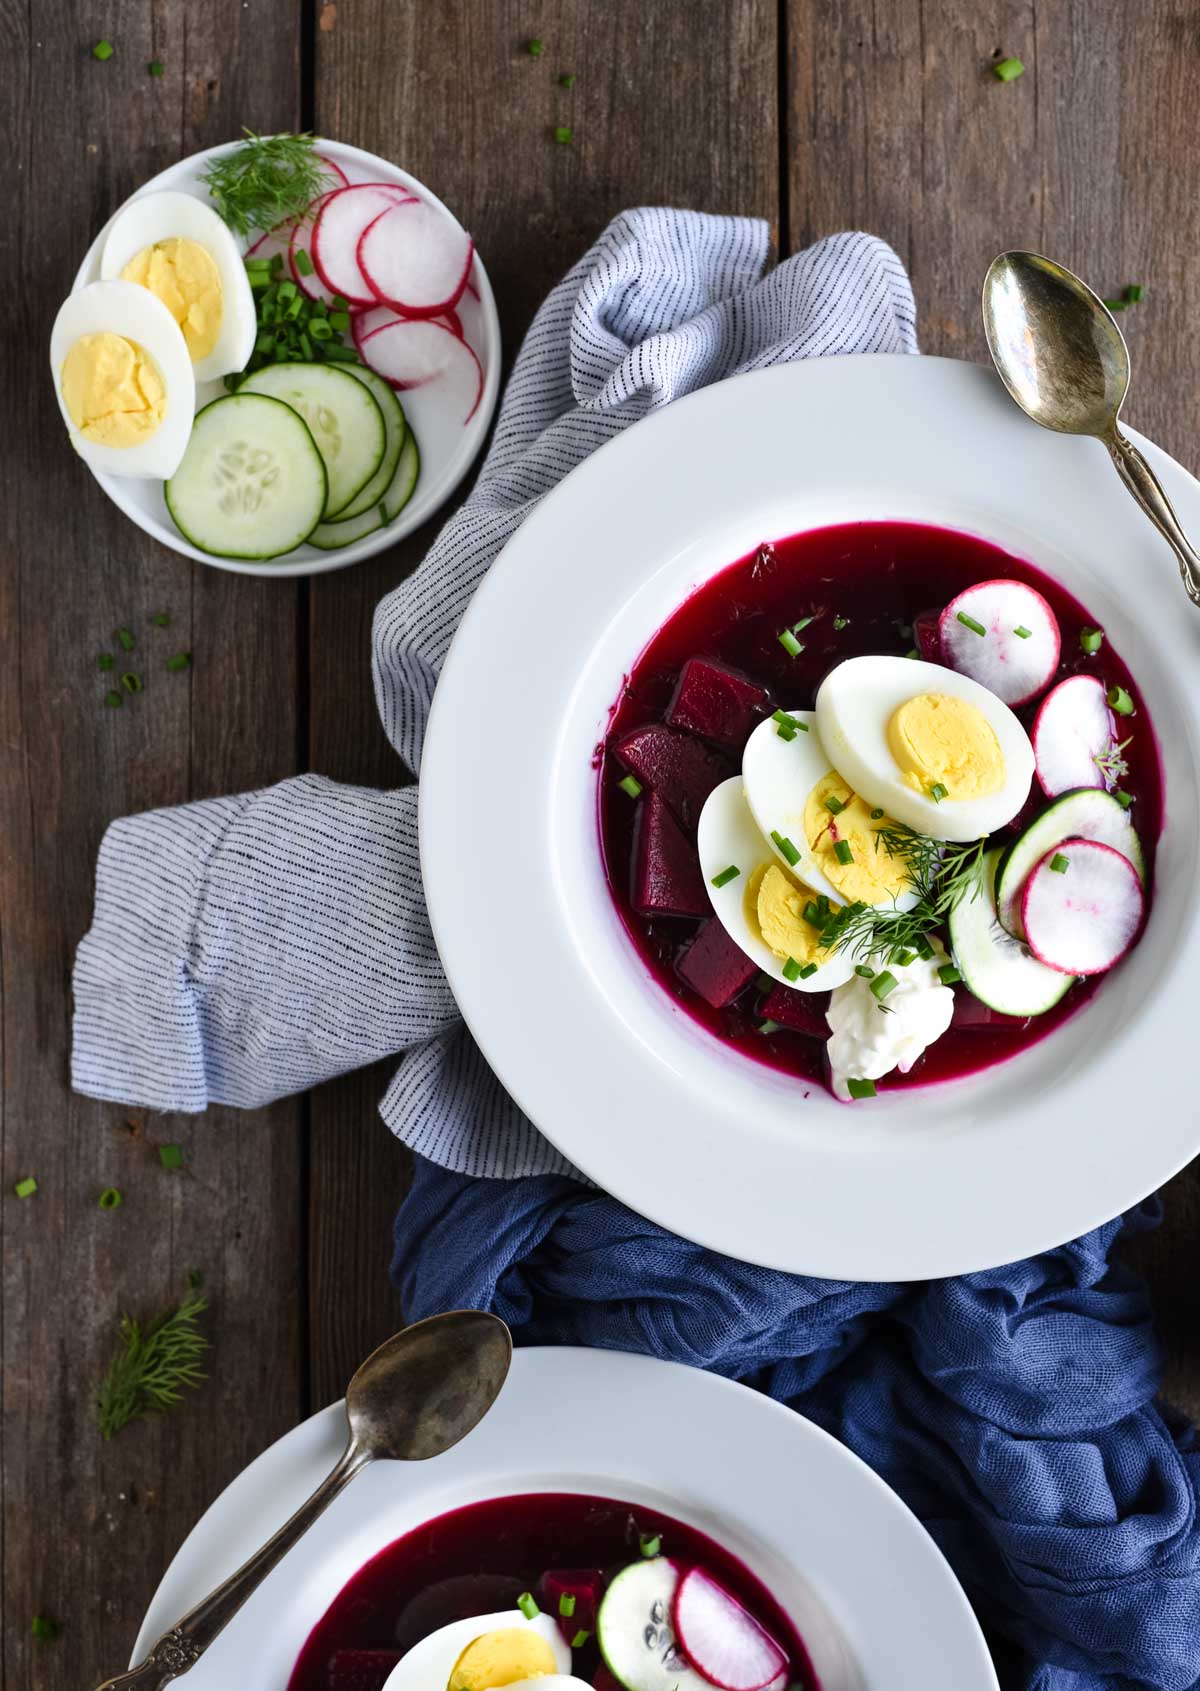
[(632, 786), (875, 815), (566, 1604), (650, 1544), (1117, 304), (1135, 293), (303, 263), (789, 642), (937, 792), (971, 623), (567, 79), (808, 971), (563, 135), (788, 734), (26, 1188), (834, 805), (582, 1636), (769, 1026), (861, 1088), (842, 851), (125, 639), (798, 627), (726, 875), (102, 50), (786, 849), (924, 949), (1008, 70), (113, 700), (1023, 633), (1091, 640), (1059, 863), (535, 49), (156, 67), (912, 652), (104, 661), (527, 1606), (161, 619), (841, 622), (44, 1628), (904, 958), (131, 681), (823, 905), (110, 1198), (864, 970), (181, 660), (1120, 701), (339, 321), (883, 983), (949, 975), (812, 914), (1123, 799), (791, 970), (171, 1156)]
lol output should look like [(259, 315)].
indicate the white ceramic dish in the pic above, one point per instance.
[(448, 449), (870, 1593), (925, 1183)]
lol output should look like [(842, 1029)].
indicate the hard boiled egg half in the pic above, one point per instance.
[(124, 380), (487, 1653), (178, 250)]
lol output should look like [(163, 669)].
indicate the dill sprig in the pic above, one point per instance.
[(268, 180), (1110, 763), (149, 1372), (941, 874)]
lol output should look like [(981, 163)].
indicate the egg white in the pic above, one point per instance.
[(164, 216), (429, 1664), (122, 308), (855, 703), (727, 837)]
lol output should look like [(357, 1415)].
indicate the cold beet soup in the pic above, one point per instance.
[(878, 805), (585, 1593)]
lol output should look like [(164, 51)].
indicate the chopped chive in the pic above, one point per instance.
[(110, 1198), (171, 1156), (823, 904), (339, 321), (632, 786), (26, 1188), (876, 814), (972, 623), (786, 849), (791, 970), (1008, 70), (786, 734), (156, 67), (650, 1544), (937, 792), (535, 49), (1023, 633), (303, 263), (1091, 640), (789, 642), (812, 914), (125, 639), (1120, 701), (912, 652), (861, 1088), (924, 949), (764, 982), (161, 619), (566, 1605), (842, 852), (726, 875), (949, 975), (1117, 304), (769, 1026), (1059, 863), (181, 660), (1135, 293), (865, 971), (113, 700), (883, 983), (44, 1628), (904, 958), (582, 1636), (1123, 799), (105, 660), (563, 134), (567, 79), (841, 622), (783, 719), (102, 50), (131, 681), (834, 805), (527, 1606), (808, 971), (339, 302)]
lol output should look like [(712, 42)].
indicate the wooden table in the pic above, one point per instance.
[(814, 114)]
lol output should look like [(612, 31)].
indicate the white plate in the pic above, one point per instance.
[(917, 1184), (447, 448), (869, 1591)]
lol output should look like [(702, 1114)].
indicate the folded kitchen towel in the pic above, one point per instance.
[(248, 947)]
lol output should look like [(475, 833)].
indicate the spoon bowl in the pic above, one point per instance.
[(428, 1385)]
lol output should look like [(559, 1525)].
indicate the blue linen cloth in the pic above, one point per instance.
[(247, 947)]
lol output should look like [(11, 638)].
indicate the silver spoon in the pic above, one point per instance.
[(1063, 359), (416, 1396)]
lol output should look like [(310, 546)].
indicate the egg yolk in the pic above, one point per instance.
[(937, 739), (112, 389), (184, 276), (865, 870), (502, 1658), (775, 912)]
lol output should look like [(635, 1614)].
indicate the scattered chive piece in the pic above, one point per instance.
[(904, 958), (1059, 863), (834, 805), (812, 914), (113, 700), (883, 983), (1091, 640), (823, 904), (769, 1026), (650, 1544), (171, 1156), (26, 1188), (1008, 70), (110, 1198), (1135, 293), (125, 639), (1123, 799), (181, 660), (937, 792), (102, 50), (1023, 633), (808, 971), (156, 67), (527, 1606), (791, 970), (797, 627), (786, 734), (1116, 304), (912, 652), (1120, 701), (104, 661), (784, 720), (864, 970), (567, 79), (975, 626), (44, 1628), (304, 264), (789, 642), (131, 681), (842, 852), (949, 975), (726, 875), (764, 982), (924, 949), (582, 1636), (631, 786), (563, 134), (340, 321), (786, 848), (861, 1088), (161, 619), (841, 622), (566, 1605), (535, 49), (876, 814)]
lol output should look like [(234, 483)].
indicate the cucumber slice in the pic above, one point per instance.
[(395, 428), (330, 536), (252, 483), (997, 968), (635, 1632), (1087, 813), (342, 415)]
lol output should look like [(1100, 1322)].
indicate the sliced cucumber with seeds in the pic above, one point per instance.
[(395, 427), (343, 416), (330, 536), (636, 1634), (252, 483), (998, 969), (1087, 813)]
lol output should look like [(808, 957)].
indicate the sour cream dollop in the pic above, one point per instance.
[(870, 1036)]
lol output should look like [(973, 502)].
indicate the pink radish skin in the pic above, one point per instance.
[(415, 259), (721, 1639), (411, 353), (1083, 920), (301, 236), (1073, 728), (279, 239), (1013, 668), (343, 216)]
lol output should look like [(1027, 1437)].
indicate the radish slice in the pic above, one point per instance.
[(415, 259), (1072, 730), (369, 321), (340, 223), (340, 179), (1016, 667), (409, 354), (1082, 908), (301, 240), (721, 1638), (278, 239)]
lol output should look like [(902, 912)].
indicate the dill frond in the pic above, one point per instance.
[(153, 1367), (268, 180), (941, 874)]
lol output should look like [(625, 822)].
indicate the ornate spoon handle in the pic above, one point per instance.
[(1141, 481)]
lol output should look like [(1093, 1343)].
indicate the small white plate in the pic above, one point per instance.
[(911, 1185), (870, 1593), (448, 449)]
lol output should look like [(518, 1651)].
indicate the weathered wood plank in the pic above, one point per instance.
[(89, 1527)]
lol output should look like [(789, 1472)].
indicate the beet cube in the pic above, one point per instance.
[(585, 1585), (361, 1670), (800, 1012), (666, 871), (926, 638), (712, 965), (682, 769), (973, 1016), (717, 703)]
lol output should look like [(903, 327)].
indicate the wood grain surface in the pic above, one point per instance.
[(813, 116)]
